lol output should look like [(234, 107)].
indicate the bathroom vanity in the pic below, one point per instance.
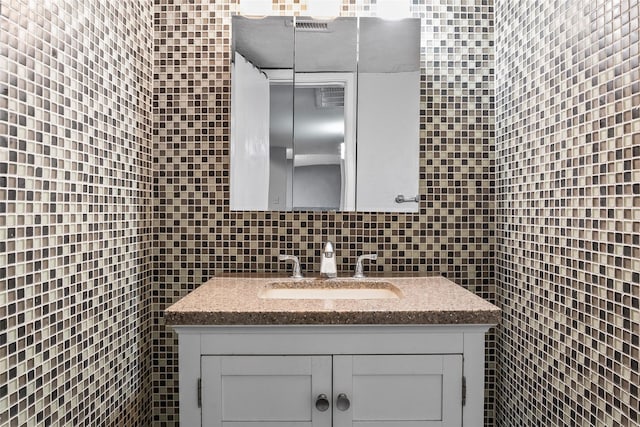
[(388, 351)]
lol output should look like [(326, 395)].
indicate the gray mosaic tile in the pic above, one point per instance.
[(75, 212), (568, 212)]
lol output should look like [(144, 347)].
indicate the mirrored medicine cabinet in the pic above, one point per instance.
[(325, 114)]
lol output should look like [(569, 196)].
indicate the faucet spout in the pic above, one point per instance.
[(328, 267)]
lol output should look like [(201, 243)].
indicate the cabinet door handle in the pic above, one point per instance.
[(342, 402), (322, 402)]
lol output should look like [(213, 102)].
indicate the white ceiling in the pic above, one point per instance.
[(266, 42), (389, 46), (385, 46)]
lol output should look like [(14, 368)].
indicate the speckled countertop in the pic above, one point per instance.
[(235, 300)]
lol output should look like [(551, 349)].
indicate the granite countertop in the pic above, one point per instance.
[(235, 300)]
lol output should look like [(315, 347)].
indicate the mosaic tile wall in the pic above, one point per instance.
[(75, 198), (568, 212), (196, 234)]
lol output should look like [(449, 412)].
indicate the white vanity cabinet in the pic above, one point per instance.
[(341, 390), (323, 376)]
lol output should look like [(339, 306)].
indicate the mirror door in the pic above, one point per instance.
[(324, 167), (388, 114), (325, 114), (262, 113)]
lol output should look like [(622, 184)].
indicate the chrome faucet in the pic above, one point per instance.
[(296, 273), (359, 274), (328, 266)]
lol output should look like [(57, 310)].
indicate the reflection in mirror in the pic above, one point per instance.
[(293, 144), (324, 114), (261, 113), (388, 114), (319, 134), (281, 146)]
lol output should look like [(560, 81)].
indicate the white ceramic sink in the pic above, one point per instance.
[(330, 289)]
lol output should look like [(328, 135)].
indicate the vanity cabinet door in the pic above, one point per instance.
[(397, 391), (266, 391)]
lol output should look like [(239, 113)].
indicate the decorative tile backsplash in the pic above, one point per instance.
[(196, 235), (75, 212), (568, 212)]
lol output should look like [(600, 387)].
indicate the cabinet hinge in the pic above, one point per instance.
[(464, 391), (199, 392)]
